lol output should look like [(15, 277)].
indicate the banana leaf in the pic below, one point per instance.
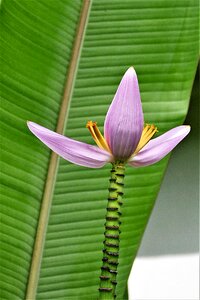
[(52, 214)]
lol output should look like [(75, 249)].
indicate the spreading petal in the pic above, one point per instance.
[(74, 151), (124, 120), (159, 147)]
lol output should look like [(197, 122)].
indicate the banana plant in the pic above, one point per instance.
[(62, 62)]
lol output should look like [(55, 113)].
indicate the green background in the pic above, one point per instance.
[(160, 38)]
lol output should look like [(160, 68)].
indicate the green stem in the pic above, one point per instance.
[(108, 276)]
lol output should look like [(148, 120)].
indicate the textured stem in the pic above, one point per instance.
[(108, 276)]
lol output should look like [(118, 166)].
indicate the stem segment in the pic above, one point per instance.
[(112, 231)]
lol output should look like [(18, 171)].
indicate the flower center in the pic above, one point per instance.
[(97, 136), (147, 133)]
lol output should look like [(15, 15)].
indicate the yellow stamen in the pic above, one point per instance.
[(147, 133), (97, 136)]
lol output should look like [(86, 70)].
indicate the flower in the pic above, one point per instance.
[(126, 139)]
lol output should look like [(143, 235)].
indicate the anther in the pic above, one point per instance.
[(97, 136), (147, 134)]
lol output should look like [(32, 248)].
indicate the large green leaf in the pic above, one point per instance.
[(160, 38)]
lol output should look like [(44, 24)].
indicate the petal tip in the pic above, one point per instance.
[(29, 123), (187, 129), (35, 128), (131, 71)]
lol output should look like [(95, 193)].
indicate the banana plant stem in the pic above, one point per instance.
[(108, 278)]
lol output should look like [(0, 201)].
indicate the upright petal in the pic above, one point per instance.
[(124, 120), (74, 151), (159, 147)]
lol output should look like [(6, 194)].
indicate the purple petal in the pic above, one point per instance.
[(159, 147), (124, 120), (76, 152)]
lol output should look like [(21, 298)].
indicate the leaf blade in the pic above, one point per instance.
[(165, 65)]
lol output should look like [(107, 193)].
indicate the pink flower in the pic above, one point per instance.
[(126, 139)]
